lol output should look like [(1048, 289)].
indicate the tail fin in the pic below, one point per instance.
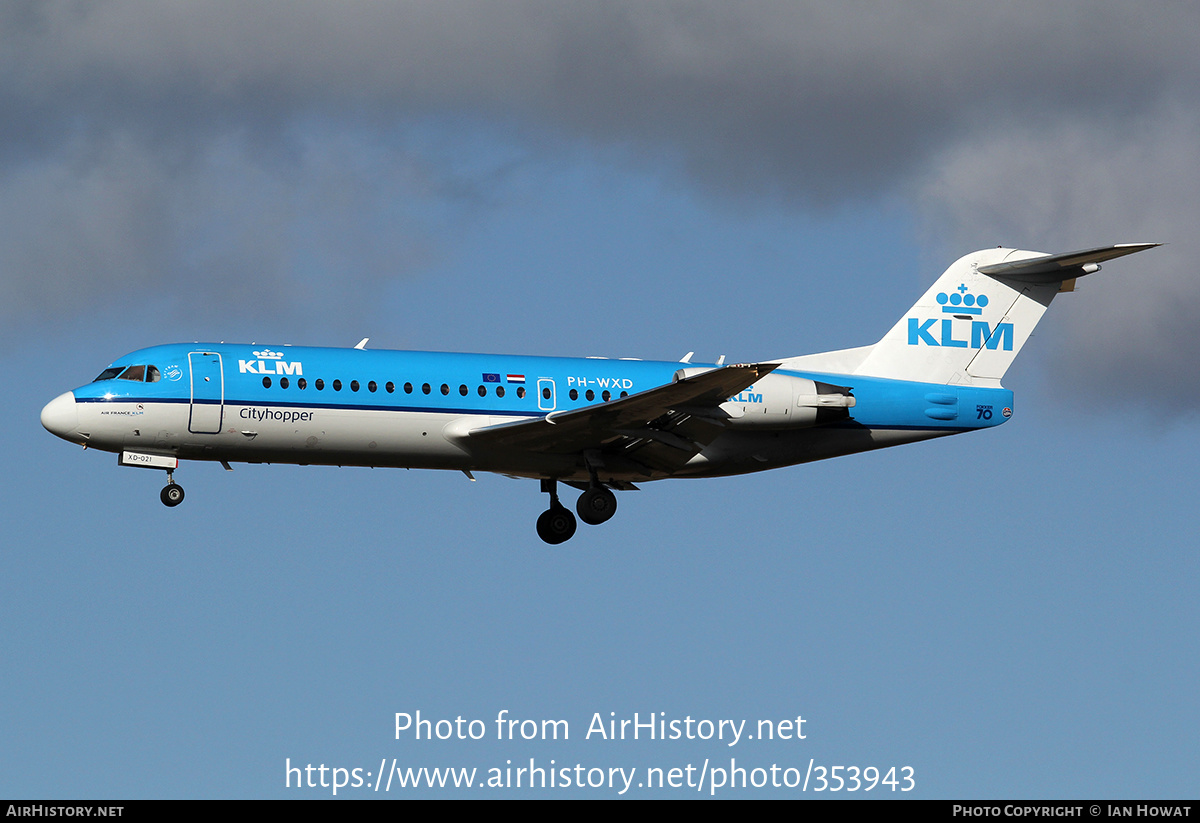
[(972, 322)]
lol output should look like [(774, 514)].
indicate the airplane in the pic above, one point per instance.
[(595, 424)]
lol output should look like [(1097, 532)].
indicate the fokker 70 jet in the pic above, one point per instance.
[(597, 425)]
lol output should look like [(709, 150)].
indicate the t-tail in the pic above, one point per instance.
[(970, 325)]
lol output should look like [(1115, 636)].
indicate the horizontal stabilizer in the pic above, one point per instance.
[(1054, 268)]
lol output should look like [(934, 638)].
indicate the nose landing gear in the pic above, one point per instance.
[(172, 493)]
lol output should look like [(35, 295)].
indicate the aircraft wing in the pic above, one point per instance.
[(660, 428)]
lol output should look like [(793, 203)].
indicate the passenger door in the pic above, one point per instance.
[(208, 393)]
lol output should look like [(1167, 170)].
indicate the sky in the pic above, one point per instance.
[(1008, 614)]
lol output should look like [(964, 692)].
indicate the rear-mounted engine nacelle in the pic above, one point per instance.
[(778, 400)]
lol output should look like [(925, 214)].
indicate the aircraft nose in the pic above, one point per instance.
[(60, 416)]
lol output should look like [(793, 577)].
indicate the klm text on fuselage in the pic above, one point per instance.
[(269, 367)]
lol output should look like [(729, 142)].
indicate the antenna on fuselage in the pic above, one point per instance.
[(362, 344)]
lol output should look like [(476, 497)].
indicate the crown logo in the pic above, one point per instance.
[(961, 301), (267, 354)]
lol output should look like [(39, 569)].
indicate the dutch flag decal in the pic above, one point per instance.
[(516, 378)]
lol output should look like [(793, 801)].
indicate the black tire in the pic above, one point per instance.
[(171, 495), (556, 525), (596, 505)]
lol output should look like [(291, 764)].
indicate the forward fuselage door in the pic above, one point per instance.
[(208, 393)]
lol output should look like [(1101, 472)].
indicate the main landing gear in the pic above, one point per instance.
[(596, 505), (556, 525), (172, 493)]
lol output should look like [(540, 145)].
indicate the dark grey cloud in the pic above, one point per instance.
[(807, 99), (131, 131)]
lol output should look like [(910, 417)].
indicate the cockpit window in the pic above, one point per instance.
[(146, 374)]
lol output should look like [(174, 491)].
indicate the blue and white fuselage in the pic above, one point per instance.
[(597, 424), (354, 407)]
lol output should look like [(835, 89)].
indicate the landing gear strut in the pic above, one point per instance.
[(556, 524), (172, 493)]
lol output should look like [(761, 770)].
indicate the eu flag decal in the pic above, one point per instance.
[(491, 378)]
